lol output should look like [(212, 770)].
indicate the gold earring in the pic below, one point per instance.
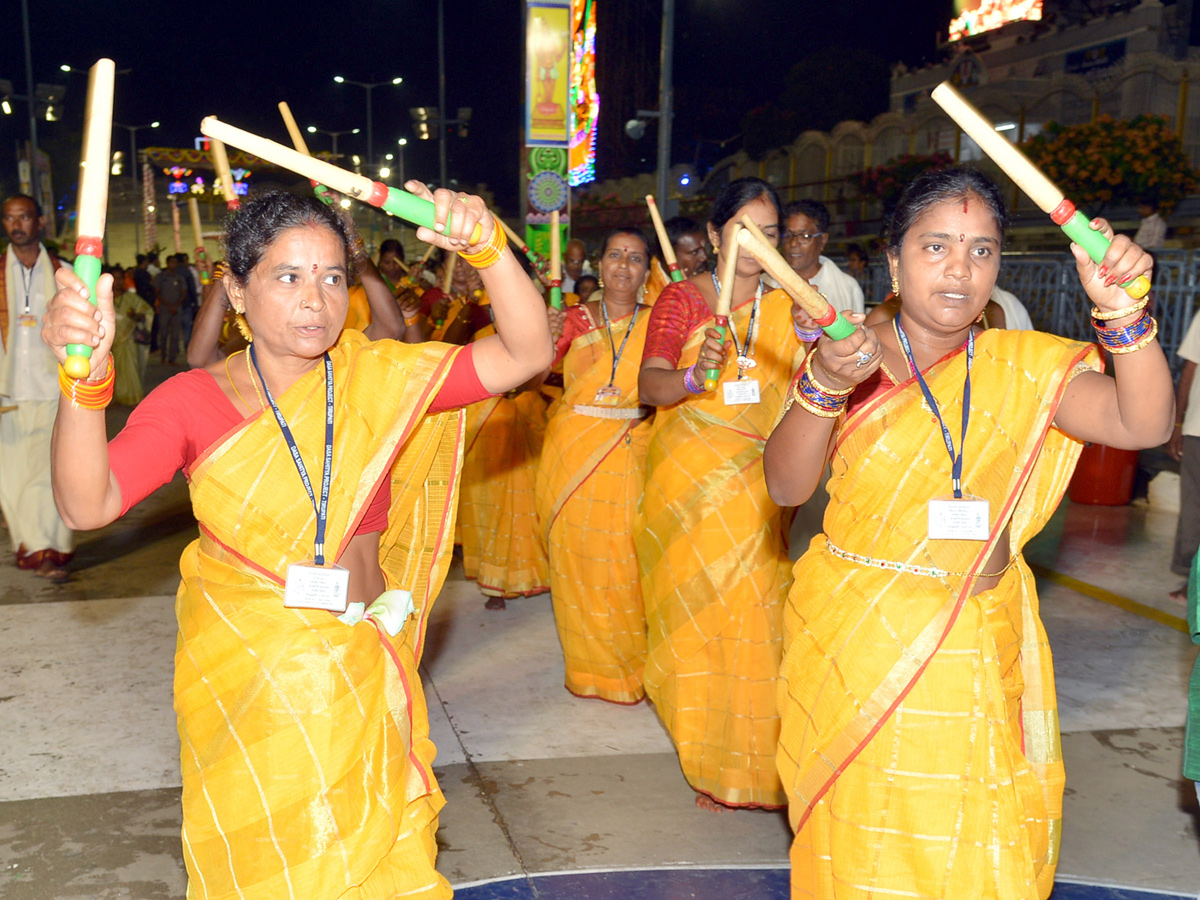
[(244, 327), (895, 285)]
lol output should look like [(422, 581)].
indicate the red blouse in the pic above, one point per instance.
[(577, 322), (189, 412), (679, 310)]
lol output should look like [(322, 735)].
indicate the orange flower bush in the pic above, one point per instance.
[(1115, 161), (887, 181)]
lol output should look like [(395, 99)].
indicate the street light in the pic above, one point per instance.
[(133, 166), (368, 87), (313, 129)]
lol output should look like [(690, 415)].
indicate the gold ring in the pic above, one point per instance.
[(463, 200)]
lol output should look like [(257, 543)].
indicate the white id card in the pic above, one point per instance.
[(744, 390), (310, 586), (958, 520)]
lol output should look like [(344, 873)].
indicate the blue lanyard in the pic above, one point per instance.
[(327, 466), (956, 461)]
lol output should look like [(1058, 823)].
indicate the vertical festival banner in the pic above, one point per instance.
[(548, 69)]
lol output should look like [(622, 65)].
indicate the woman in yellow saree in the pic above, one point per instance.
[(304, 736), (590, 477), (712, 545), (920, 747)]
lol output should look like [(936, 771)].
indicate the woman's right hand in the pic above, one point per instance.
[(841, 363), (71, 319), (712, 355)]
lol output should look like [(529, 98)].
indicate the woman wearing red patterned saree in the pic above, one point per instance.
[(920, 747)]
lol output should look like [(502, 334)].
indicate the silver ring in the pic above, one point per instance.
[(863, 358)]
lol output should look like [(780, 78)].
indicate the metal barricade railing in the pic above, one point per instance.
[(1048, 286)]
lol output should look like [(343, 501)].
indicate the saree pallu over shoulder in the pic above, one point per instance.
[(920, 747), (589, 482), (305, 749), (715, 571)]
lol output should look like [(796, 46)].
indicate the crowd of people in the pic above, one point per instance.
[(891, 689)]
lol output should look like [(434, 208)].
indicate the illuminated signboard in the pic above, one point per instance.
[(585, 102), (978, 16)]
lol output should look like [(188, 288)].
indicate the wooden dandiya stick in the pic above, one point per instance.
[(812, 301), (301, 147), (221, 164), (176, 226), (664, 242), (1041, 190), (556, 300), (428, 253), (532, 255), (198, 235), (724, 301), (93, 196), (398, 202)]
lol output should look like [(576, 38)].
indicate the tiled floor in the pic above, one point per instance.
[(550, 796)]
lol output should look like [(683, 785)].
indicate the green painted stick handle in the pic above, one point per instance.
[(1081, 232)]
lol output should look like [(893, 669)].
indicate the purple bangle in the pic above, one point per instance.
[(689, 382), (806, 336)]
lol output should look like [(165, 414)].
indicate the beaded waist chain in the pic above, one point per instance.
[(613, 412), (907, 568)]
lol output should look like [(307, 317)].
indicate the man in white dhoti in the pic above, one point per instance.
[(29, 388)]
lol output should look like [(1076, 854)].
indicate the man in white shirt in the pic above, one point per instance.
[(1152, 232), (805, 233), (574, 264), (29, 382), (1184, 446)]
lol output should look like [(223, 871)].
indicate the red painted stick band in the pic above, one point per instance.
[(673, 267), (1063, 213), (557, 283), (89, 246), (828, 318), (379, 193), (235, 204)]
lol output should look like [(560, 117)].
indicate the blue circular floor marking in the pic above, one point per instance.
[(713, 884)]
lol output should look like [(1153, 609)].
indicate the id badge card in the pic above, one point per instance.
[(310, 586), (27, 321), (609, 395), (744, 390), (951, 519)]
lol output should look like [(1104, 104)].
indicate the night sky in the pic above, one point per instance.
[(238, 60)]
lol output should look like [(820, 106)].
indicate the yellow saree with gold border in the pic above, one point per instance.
[(503, 547), (305, 741), (588, 485), (920, 747), (715, 570)]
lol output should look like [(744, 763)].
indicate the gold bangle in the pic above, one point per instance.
[(413, 321), (812, 376), (1134, 348), (1102, 315), (489, 254)]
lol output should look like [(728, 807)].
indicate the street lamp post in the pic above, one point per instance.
[(133, 168), (666, 108), (313, 129), (368, 87)]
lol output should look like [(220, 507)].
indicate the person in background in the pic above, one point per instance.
[(134, 319), (1152, 232), (574, 263), (688, 240), (28, 380), (585, 286), (802, 243), (171, 286), (1184, 448)]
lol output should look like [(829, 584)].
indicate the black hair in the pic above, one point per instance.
[(582, 278), (141, 258), (857, 250), (737, 194), (261, 220), (391, 245), (632, 231), (933, 187), (37, 207), (811, 208), (678, 226)]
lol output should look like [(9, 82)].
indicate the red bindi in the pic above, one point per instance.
[(961, 238), (314, 268), (965, 201)]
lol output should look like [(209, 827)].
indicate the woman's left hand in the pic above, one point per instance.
[(1123, 262), (457, 214), (802, 319)]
